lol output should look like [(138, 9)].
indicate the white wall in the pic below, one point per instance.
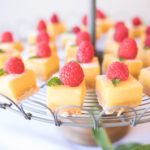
[(21, 15)]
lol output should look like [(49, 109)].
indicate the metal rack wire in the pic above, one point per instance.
[(92, 116)]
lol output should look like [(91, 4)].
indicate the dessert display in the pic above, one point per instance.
[(72, 47), (41, 37), (113, 88), (137, 28), (103, 23), (127, 53), (89, 63), (44, 62), (55, 27), (69, 36), (18, 82), (7, 42), (144, 78), (115, 37), (144, 51), (69, 84)]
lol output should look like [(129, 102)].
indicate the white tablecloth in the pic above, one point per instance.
[(16, 133)]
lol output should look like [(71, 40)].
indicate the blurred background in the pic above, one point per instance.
[(21, 15)]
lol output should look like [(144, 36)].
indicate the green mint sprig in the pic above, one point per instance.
[(54, 82)]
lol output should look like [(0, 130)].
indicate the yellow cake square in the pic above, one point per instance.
[(71, 51), (110, 95), (67, 95), (18, 86), (144, 78), (43, 67), (91, 70)]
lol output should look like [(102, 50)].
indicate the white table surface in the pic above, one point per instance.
[(16, 133)]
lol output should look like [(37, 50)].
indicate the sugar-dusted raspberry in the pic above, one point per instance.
[(85, 20), (71, 74), (54, 18), (147, 31), (136, 21), (41, 26), (43, 50), (118, 24), (7, 37), (14, 65), (147, 41), (128, 49), (42, 37), (85, 52), (120, 33), (82, 36), (76, 29), (117, 70), (100, 14)]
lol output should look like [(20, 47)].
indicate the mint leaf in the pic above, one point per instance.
[(1, 51), (54, 81), (142, 147), (32, 57), (73, 45), (115, 82), (121, 59), (2, 72), (129, 146), (102, 139), (146, 48)]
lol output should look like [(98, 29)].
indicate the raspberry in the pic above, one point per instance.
[(148, 30), (121, 32), (54, 19), (41, 26), (84, 20), (42, 37), (127, 49), (117, 70), (14, 65), (100, 14), (71, 74), (147, 41), (76, 29), (118, 24), (43, 50), (7, 37), (82, 36), (136, 21), (85, 52)]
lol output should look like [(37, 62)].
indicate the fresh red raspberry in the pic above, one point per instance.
[(84, 20), (7, 37), (85, 52), (136, 21), (82, 36), (118, 24), (100, 14), (147, 41), (71, 74), (128, 49), (14, 65), (120, 33), (43, 50), (117, 70), (42, 37), (54, 18), (76, 29), (147, 30), (41, 26)]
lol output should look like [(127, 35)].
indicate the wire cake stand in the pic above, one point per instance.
[(91, 116)]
